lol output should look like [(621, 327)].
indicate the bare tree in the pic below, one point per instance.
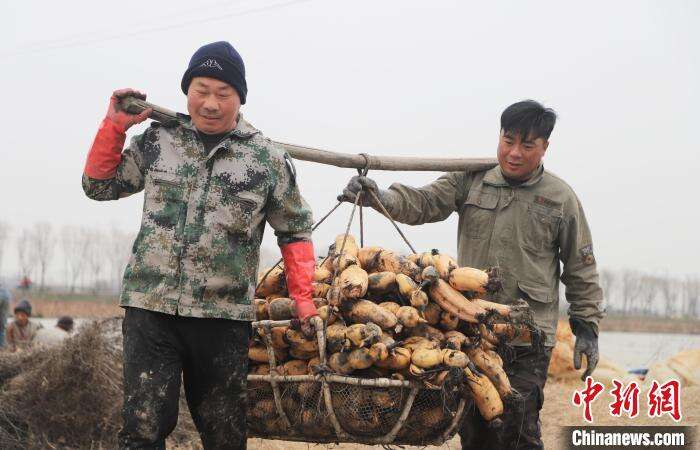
[(74, 249), (649, 288), (26, 257), (608, 281), (119, 246), (691, 292), (42, 246), (94, 257), (629, 289), (668, 287), (4, 236)]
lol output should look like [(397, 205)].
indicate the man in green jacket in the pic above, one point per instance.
[(525, 220)]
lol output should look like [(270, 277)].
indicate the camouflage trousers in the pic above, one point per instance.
[(521, 418), (210, 356)]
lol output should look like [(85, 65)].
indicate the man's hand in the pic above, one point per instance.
[(365, 184), (586, 344), (121, 118)]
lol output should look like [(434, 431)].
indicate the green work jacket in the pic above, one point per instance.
[(526, 230)]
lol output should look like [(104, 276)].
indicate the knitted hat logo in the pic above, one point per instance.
[(211, 63)]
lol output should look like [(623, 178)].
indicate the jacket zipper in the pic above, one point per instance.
[(250, 204), (166, 182)]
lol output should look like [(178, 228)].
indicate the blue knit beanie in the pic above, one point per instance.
[(24, 306), (217, 60)]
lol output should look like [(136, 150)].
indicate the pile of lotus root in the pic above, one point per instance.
[(412, 317)]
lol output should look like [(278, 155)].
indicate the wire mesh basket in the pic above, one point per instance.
[(327, 407)]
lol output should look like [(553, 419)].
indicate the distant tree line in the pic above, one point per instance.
[(650, 294), (91, 260), (67, 258)]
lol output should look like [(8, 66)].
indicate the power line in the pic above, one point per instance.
[(98, 34), (218, 18)]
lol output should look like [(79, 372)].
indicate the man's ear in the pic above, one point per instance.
[(546, 144)]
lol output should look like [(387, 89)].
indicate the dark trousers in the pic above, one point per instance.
[(521, 418), (211, 356)]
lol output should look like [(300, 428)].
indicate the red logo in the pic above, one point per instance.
[(588, 396), (626, 399), (665, 399)]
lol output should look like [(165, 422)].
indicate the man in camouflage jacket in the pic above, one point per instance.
[(211, 181), (525, 220)]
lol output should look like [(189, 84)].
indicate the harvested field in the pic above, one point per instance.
[(96, 309), (650, 324), (71, 396)]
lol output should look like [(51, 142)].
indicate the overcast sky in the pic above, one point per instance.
[(425, 78)]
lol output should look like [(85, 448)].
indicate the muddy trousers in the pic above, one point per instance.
[(209, 355), (521, 419)]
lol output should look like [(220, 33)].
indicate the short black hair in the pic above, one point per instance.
[(529, 120), (65, 323)]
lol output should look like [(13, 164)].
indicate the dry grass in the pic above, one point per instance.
[(75, 308), (650, 324), (69, 396)]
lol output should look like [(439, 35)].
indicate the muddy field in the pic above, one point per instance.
[(557, 412)]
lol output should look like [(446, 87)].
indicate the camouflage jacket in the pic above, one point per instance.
[(525, 230), (204, 214)]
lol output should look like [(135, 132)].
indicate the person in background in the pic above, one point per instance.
[(66, 324), (48, 337), (4, 307), (21, 332)]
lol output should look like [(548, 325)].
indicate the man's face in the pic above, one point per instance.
[(519, 158), (21, 318), (213, 105)]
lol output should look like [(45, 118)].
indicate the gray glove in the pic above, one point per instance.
[(586, 343), (366, 184)]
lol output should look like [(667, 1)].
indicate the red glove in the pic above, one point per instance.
[(300, 265), (105, 154)]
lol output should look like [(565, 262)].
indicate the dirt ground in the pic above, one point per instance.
[(558, 410)]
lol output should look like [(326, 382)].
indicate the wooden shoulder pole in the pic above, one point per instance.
[(346, 160)]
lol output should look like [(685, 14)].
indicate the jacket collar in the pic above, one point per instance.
[(494, 177)]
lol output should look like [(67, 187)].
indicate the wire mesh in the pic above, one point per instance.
[(365, 413)]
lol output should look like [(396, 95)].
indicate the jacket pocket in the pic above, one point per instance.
[(164, 194), (237, 215), (478, 214), (154, 259), (536, 292), (541, 227)]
